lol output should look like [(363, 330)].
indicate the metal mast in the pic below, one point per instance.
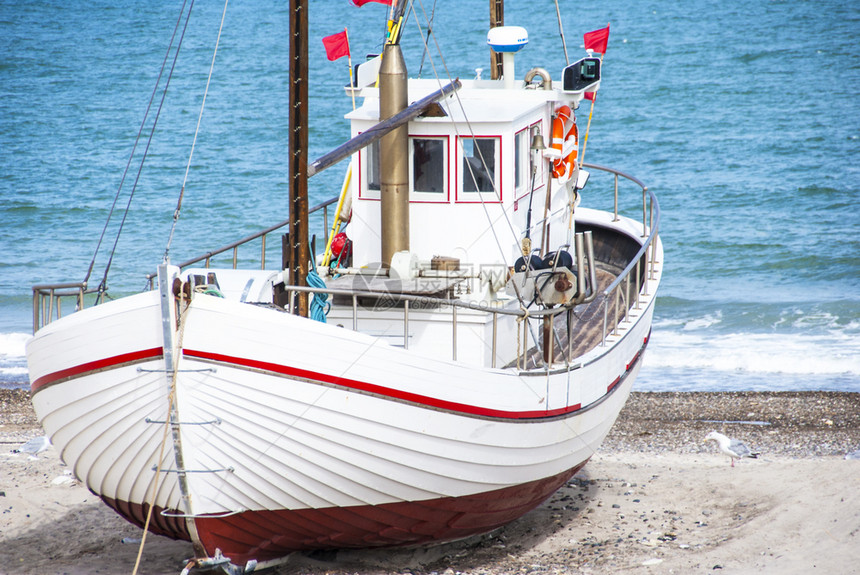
[(394, 155)]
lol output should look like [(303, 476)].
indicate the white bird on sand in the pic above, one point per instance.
[(34, 446), (734, 448)]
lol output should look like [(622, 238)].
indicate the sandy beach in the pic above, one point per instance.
[(654, 499)]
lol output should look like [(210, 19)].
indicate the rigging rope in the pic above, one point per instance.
[(136, 142), (103, 283), (429, 31), (561, 33), (166, 257)]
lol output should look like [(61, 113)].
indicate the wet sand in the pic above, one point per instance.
[(654, 499)]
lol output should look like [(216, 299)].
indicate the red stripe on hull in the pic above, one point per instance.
[(107, 362), (315, 376), (612, 385)]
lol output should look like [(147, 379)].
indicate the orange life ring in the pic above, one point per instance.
[(565, 138)]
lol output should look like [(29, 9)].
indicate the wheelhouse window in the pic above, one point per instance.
[(373, 180), (522, 170), (429, 168), (479, 171)]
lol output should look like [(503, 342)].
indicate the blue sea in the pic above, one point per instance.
[(744, 118)]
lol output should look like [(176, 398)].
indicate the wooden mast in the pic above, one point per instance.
[(298, 252), (497, 18)]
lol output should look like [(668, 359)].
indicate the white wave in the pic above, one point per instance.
[(667, 323), (805, 320), (12, 345), (704, 322), (821, 321), (757, 353), (16, 371), (688, 324)]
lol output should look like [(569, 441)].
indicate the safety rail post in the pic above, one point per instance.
[(570, 334), (627, 299), (35, 311), (653, 251), (615, 216), (406, 324), (644, 212), (605, 321), (650, 211), (235, 257), (354, 312), (325, 222), (495, 332), (615, 321), (526, 331), (50, 316), (638, 280), (519, 347), (263, 254), (645, 273), (454, 323)]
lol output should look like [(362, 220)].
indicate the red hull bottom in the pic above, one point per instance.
[(267, 535)]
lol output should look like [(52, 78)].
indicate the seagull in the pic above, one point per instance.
[(34, 446), (734, 448)]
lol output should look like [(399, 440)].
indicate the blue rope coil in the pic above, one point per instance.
[(320, 305)]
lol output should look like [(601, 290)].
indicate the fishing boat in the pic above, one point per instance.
[(455, 351)]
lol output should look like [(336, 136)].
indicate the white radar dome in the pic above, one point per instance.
[(507, 38)]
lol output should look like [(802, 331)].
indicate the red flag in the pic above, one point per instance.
[(597, 40), (589, 96), (363, 2), (336, 45)]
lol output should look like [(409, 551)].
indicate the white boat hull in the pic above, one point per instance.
[(301, 435)]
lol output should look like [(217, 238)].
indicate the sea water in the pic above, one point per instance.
[(742, 117)]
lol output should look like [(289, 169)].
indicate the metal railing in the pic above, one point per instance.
[(261, 235), (48, 298), (641, 270), (646, 256)]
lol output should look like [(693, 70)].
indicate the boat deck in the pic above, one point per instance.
[(576, 332)]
